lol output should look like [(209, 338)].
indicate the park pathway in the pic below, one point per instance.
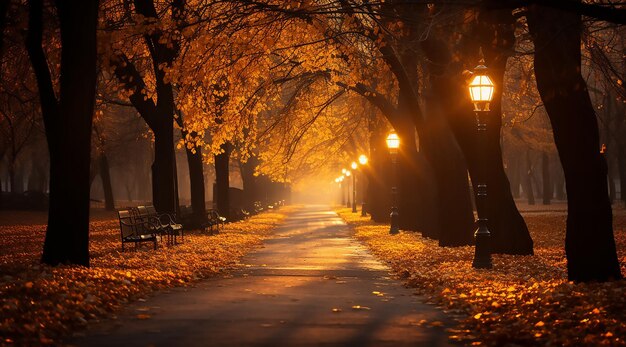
[(312, 285)]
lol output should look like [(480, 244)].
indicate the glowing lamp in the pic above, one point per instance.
[(481, 88), (393, 142), (354, 165), (363, 159)]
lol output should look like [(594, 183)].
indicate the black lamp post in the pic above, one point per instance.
[(481, 92), (348, 174), (393, 143), (363, 162), (354, 167)]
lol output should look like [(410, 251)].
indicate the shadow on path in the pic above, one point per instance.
[(311, 285)]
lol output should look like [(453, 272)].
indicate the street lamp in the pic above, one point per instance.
[(354, 166), (343, 196), (348, 174), (363, 162), (393, 143), (481, 90)]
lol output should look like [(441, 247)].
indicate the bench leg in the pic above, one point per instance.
[(155, 244)]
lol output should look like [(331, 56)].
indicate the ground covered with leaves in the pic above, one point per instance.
[(523, 300), (39, 305)]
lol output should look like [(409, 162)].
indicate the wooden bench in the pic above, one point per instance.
[(214, 219), (165, 223), (135, 231)]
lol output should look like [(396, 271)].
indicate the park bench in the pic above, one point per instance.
[(135, 231), (165, 223), (215, 220)]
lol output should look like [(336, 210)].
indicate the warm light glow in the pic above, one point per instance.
[(363, 159), (343, 171), (337, 180), (481, 88), (341, 178), (348, 173), (393, 142), (353, 165)]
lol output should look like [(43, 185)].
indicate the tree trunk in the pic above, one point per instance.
[(547, 182), (68, 123), (528, 179), (589, 242), (455, 214), (163, 169), (378, 197), (221, 194), (196, 185), (250, 194), (105, 176), (509, 233)]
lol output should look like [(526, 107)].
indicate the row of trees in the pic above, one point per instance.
[(289, 89)]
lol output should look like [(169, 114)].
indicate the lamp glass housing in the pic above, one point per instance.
[(393, 142), (348, 173), (481, 89), (354, 165)]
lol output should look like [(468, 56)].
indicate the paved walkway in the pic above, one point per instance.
[(312, 285)]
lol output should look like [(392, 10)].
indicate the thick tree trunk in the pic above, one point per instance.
[(163, 169), (250, 193), (378, 197), (105, 176), (455, 214), (547, 181), (68, 124), (589, 242), (196, 184), (509, 233), (221, 194)]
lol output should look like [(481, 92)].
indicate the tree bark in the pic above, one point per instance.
[(250, 194), (589, 242), (509, 233), (196, 184), (221, 193), (68, 123)]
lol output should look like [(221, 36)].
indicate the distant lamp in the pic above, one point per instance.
[(348, 173), (363, 159), (343, 171), (354, 165), (393, 143)]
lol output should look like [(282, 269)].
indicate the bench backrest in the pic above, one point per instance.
[(126, 223)]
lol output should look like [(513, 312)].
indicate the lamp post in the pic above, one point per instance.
[(348, 174), (481, 92), (343, 195), (363, 162), (393, 143), (354, 166)]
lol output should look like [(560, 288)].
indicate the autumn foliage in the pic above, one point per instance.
[(40, 304), (523, 300)]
